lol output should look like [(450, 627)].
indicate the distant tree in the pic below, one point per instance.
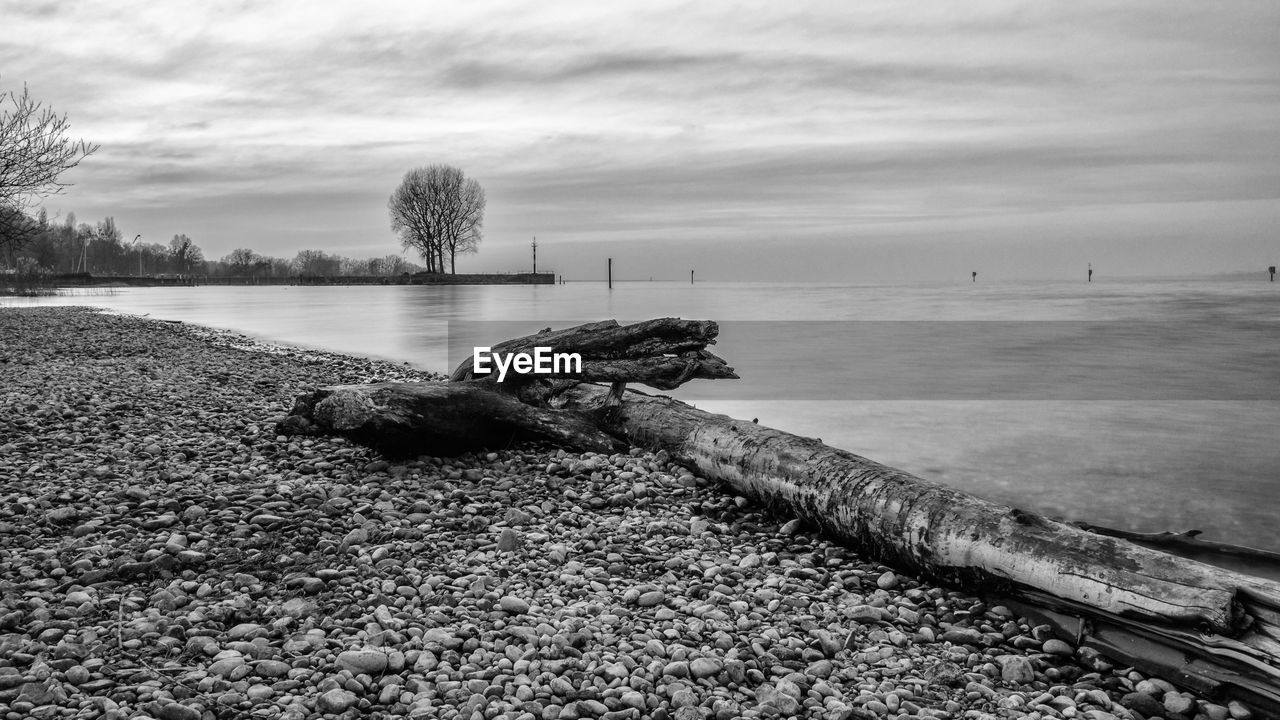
[(279, 267), (17, 230), (185, 254), (316, 262), (34, 153), (263, 266), (241, 261), (438, 212)]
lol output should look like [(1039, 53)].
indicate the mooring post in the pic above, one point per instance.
[(1272, 270), (690, 277), (610, 273)]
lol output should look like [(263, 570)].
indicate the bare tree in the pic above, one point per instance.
[(185, 253), (242, 261), (439, 212), (34, 152), (34, 149), (315, 263)]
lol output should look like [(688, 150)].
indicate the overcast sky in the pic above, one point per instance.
[(791, 140)]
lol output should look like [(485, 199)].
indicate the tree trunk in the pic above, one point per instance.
[(924, 526), (439, 418)]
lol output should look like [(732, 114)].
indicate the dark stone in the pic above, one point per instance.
[(1143, 703)]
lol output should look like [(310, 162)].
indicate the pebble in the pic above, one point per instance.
[(1016, 669), (649, 599), (175, 711), (1178, 703), (302, 575), (335, 701), (362, 661), (514, 605), (705, 667), (1057, 647)]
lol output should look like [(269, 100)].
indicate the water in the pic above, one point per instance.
[(1136, 409)]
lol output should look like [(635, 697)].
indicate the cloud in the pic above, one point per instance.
[(610, 121)]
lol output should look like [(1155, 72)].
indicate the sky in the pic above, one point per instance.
[(825, 141)]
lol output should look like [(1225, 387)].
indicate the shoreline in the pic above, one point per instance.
[(166, 553)]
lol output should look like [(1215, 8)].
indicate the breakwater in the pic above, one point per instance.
[(88, 280)]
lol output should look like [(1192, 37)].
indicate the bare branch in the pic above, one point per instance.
[(437, 211), (34, 150)]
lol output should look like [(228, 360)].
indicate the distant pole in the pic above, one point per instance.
[(1272, 270), (138, 245), (610, 273), (535, 254), (690, 277), (1090, 272), (975, 276)]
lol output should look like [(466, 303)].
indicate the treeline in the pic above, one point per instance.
[(41, 247)]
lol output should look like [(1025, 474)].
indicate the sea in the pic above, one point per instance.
[(1143, 405)]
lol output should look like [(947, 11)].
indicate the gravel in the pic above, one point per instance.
[(164, 554)]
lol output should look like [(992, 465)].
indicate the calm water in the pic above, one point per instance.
[(1143, 405)]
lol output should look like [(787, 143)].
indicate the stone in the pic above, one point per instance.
[(705, 667), (1179, 704), (781, 702), (866, 614), (175, 711), (652, 598), (266, 519), (1055, 646), (684, 698), (513, 604), (298, 608), (272, 668), (1016, 669), (63, 515), (1143, 704), (244, 631), (365, 661), (226, 666), (962, 636), (78, 674), (335, 701), (1238, 711), (632, 699), (887, 581), (508, 540)]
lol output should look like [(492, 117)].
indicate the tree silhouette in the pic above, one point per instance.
[(438, 211), (34, 153)]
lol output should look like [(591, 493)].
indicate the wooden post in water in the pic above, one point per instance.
[(610, 273), (691, 277), (1272, 270)]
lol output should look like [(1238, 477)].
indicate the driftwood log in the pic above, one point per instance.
[(1207, 628), (478, 411)]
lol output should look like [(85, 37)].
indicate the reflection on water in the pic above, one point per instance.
[(1193, 457)]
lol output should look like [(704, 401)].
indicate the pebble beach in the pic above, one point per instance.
[(165, 554)]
